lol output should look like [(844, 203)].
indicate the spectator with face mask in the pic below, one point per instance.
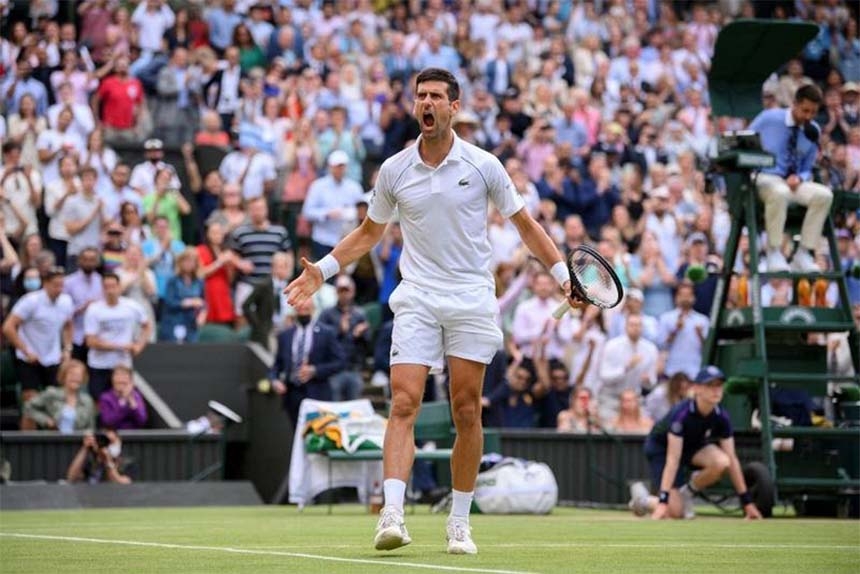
[(308, 355)]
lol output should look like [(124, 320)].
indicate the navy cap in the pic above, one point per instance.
[(708, 374)]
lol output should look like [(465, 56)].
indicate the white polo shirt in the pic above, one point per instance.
[(42, 324), (116, 324), (443, 214)]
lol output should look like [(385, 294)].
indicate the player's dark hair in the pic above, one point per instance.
[(809, 93), (440, 75)]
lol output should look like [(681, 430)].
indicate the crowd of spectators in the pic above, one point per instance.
[(262, 125)]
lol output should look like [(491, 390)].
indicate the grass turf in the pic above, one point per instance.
[(280, 539)]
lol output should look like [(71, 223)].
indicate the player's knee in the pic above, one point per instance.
[(466, 413), (404, 406)]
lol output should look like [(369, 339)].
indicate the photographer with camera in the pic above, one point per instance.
[(98, 460)]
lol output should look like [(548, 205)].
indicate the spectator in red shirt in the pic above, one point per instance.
[(121, 105)]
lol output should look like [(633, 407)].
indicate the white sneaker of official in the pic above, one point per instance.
[(460, 536), (390, 530), (803, 262), (639, 499), (776, 261)]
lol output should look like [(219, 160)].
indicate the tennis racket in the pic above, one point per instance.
[(592, 279)]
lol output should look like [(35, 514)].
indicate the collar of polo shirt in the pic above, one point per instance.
[(454, 154)]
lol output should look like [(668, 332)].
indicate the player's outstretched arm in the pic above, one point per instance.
[(357, 243), (542, 247)]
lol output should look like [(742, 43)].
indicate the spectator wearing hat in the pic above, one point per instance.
[(120, 105), (792, 137), (683, 440), (113, 248), (330, 205), (143, 175), (39, 327), (354, 334)]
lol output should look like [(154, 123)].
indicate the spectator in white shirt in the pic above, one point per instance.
[(56, 195), (330, 205), (533, 320), (20, 193), (117, 191), (631, 364), (40, 329), (57, 142), (633, 303), (252, 169), (682, 333), (152, 18), (83, 121), (117, 329), (143, 175)]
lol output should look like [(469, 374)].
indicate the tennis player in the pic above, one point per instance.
[(445, 306)]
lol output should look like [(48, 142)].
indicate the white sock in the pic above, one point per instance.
[(394, 491), (462, 503)]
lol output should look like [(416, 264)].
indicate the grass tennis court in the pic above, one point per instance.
[(280, 539)]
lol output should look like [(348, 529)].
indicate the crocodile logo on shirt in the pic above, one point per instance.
[(463, 182)]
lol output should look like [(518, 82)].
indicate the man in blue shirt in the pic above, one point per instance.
[(696, 434), (792, 137)]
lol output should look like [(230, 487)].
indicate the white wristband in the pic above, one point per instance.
[(561, 273), (329, 266)]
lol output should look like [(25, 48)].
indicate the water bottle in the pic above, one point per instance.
[(179, 333), (376, 498)]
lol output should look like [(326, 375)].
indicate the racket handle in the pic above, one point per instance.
[(561, 310)]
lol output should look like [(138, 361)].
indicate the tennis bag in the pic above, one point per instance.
[(516, 486)]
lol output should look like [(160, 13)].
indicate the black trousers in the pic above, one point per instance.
[(35, 376)]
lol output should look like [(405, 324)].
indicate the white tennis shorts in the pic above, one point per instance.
[(429, 326)]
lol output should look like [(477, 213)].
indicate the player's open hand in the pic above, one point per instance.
[(751, 512), (305, 285)]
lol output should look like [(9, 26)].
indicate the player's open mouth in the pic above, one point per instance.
[(427, 120)]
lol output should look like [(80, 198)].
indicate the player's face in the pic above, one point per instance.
[(804, 111), (433, 109)]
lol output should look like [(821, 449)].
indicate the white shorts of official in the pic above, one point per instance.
[(429, 326)]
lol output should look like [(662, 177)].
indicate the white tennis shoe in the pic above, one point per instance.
[(639, 499), (688, 508), (460, 536), (390, 530)]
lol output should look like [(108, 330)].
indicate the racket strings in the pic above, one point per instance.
[(595, 279)]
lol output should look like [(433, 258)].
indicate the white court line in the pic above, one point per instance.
[(230, 550), (622, 545)]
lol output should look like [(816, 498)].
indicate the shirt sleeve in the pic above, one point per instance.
[(382, 200), (24, 308), (501, 189), (91, 322), (725, 427)]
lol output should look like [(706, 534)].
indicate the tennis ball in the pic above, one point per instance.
[(696, 273), (264, 386)]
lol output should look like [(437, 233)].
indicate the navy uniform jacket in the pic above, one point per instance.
[(325, 354), (696, 430)]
